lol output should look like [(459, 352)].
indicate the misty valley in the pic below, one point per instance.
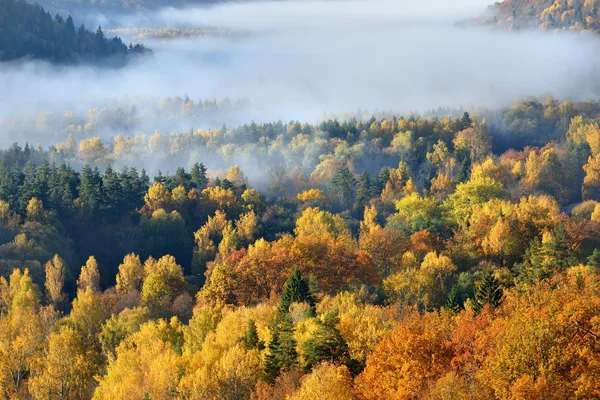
[(299, 199)]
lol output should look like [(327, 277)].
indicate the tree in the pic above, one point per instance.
[(89, 278), (162, 283), (198, 176), (488, 292), (250, 339), (326, 345), (282, 354), (342, 187), (55, 280), (131, 274), (146, 366), (326, 382), (296, 290), (67, 368)]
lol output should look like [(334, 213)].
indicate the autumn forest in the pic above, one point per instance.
[(160, 245)]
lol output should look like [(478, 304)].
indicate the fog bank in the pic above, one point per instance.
[(300, 59)]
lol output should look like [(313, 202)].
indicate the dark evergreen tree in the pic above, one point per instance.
[(342, 187), (198, 176), (251, 339), (594, 260), (296, 290), (364, 190), (488, 292), (326, 344), (181, 178), (465, 121), (282, 354)]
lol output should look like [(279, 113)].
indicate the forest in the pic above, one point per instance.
[(547, 14), (27, 30), (383, 258), (299, 200)]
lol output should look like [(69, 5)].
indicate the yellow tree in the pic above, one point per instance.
[(67, 368), (55, 280), (146, 365), (89, 278), (591, 181), (22, 332), (326, 382), (162, 283), (131, 274)]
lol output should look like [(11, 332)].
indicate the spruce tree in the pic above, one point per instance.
[(296, 290), (488, 292), (452, 300), (326, 344), (594, 260), (342, 187), (282, 355), (198, 176), (251, 339)]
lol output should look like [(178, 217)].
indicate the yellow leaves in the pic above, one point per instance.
[(246, 226), (92, 149), (580, 131), (146, 365), (163, 282), (361, 325), (369, 221), (204, 320), (55, 280), (591, 181), (236, 176), (498, 239), (231, 376), (220, 196), (596, 213), (89, 278), (67, 368), (158, 196), (311, 195), (326, 382), (130, 275), (35, 209), (317, 223), (426, 285)]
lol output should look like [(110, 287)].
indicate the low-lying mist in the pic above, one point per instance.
[(298, 60)]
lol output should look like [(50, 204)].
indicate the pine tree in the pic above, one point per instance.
[(594, 260), (272, 366), (342, 187), (251, 339), (465, 121), (282, 355), (326, 344), (452, 301), (296, 290), (363, 189), (198, 175), (488, 292)]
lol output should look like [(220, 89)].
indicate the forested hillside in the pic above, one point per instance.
[(27, 30), (386, 258), (122, 5), (548, 14)]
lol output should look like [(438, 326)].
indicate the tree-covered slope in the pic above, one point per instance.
[(548, 14), (27, 30)]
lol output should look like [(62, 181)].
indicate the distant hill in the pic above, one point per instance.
[(575, 15), (120, 5), (27, 30)]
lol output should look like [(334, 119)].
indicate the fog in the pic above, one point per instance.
[(298, 60)]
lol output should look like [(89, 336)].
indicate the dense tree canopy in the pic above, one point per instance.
[(392, 258)]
